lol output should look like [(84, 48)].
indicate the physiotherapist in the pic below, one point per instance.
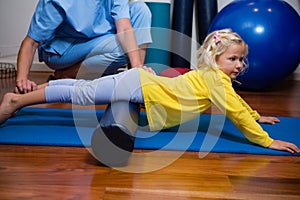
[(98, 36)]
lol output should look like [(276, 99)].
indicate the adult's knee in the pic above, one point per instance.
[(107, 61), (140, 15)]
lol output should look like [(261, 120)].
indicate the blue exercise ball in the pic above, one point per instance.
[(271, 28)]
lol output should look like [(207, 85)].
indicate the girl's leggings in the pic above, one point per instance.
[(120, 87)]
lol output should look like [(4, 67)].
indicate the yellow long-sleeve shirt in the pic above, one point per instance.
[(171, 101)]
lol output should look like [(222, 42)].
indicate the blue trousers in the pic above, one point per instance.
[(102, 52)]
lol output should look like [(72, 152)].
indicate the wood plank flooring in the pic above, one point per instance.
[(43, 172)]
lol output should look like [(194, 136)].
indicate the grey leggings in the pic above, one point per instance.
[(120, 87)]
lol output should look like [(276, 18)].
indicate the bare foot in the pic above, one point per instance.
[(7, 107)]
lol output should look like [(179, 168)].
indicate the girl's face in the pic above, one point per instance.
[(231, 61)]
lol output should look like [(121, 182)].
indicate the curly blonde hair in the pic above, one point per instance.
[(215, 45)]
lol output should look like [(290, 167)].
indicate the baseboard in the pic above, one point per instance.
[(36, 66), (42, 67)]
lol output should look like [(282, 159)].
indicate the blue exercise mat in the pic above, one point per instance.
[(66, 127)]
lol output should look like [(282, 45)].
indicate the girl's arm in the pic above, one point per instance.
[(256, 115), (226, 99)]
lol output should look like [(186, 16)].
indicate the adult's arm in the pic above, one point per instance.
[(126, 37), (24, 62)]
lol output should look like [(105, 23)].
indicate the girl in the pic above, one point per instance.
[(168, 101)]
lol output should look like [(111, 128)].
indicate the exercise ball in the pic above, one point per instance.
[(271, 28)]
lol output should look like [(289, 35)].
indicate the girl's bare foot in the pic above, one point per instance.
[(8, 106)]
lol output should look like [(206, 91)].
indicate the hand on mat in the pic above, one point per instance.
[(24, 86), (284, 146), (268, 120)]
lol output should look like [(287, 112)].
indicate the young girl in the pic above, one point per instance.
[(168, 101)]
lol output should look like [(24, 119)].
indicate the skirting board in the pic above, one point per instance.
[(42, 67), (36, 66)]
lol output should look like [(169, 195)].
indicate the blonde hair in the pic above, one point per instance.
[(215, 45)]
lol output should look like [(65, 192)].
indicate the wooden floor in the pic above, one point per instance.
[(43, 172)]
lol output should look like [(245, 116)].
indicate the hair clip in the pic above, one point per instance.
[(217, 39)]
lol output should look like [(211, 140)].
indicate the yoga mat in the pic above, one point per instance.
[(50, 126)]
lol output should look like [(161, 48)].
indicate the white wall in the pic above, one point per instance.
[(15, 16)]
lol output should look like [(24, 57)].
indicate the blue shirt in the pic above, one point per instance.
[(56, 24)]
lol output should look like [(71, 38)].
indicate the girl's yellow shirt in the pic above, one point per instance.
[(172, 101)]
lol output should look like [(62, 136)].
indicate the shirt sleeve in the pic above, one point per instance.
[(253, 113), (46, 18), (226, 99), (120, 9)]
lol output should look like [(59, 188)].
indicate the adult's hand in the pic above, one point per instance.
[(148, 69), (24, 62), (24, 86)]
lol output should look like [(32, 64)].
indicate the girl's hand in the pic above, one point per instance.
[(268, 120), (284, 146)]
